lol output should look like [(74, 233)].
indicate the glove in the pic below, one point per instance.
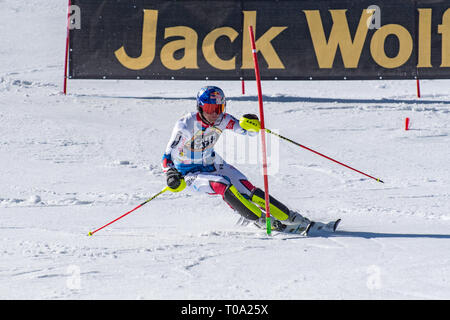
[(250, 122), (173, 178)]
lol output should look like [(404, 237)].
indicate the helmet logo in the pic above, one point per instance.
[(217, 96)]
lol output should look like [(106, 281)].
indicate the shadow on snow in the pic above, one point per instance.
[(371, 235), (283, 98)]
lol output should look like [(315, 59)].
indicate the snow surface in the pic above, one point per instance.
[(70, 164)]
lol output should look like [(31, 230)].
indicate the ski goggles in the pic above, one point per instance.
[(213, 108)]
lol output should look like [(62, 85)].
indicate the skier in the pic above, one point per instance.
[(190, 161)]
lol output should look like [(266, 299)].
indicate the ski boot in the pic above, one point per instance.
[(317, 228), (275, 224)]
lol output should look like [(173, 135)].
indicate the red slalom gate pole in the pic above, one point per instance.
[(67, 47), (143, 203), (263, 131), (322, 155), (418, 88)]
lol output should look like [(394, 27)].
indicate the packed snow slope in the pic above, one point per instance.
[(70, 164)]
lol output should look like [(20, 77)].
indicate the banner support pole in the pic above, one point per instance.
[(67, 47)]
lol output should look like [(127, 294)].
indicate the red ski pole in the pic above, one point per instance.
[(322, 155), (143, 203)]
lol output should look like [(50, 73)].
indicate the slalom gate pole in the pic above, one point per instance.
[(418, 87), (143, 203), (320, 154), (67, 47), (263, 136)]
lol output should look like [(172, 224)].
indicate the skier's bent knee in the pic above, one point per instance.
[(241, 204)]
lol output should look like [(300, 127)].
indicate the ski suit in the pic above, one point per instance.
[(191, 151)]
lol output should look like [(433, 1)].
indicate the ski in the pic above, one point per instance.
[(319, 227), (336, 224), (313, 228)]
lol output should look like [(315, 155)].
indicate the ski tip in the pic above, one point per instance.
[(336, 224), (90, 234)]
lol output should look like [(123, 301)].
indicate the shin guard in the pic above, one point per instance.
[(278, 210), (242, 205)]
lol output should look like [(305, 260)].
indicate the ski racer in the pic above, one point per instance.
[(190, 161)]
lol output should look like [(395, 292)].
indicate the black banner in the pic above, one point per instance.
[(296, 40)]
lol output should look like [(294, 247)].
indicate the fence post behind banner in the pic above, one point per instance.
[(263, 132), (67, 47)]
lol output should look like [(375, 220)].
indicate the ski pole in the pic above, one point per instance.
[(143, 203), (322, 155)]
